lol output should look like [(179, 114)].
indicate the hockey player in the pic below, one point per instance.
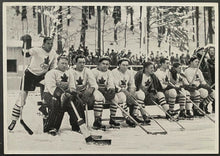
[(86, 84), (148, 86), (177, 84), (42, 60), (163, 76), (105, 80), (124, 83), (205, 94), (59, 86)]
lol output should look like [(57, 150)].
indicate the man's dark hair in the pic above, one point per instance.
[(147, 64), (163, 60), (78, 57), (62, 57), (46, 39)]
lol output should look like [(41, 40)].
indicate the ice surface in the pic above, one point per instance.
[(200, 135)]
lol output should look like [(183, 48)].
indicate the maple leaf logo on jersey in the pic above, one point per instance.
[(197, 76), (180, 79), (123, 82), (79, 81), (64, 78), (147, 83), (166, 79), (102, 81), (46, 60)]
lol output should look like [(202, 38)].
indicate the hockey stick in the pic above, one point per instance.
[(21, 119), (198, 68), (182, 128), (195, 105), (126, 113), (143, 111), (84, 130)]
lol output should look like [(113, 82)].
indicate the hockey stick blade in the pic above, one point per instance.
[(96, 136), (26, 127), (101, 141), (155, 133)]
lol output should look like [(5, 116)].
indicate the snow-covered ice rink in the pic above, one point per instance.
[(200, 135)]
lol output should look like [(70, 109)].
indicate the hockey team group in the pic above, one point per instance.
[(73, 89)]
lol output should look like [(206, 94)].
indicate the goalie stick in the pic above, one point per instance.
[(84, 130)]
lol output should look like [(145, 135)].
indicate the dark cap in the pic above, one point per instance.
[(176, 64), (193, 58)]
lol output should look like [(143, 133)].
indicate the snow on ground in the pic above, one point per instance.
[(200, 135)]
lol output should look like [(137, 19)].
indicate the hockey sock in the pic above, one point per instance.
[(125, 107), (181, 100), (163, 103), (196, 100), (208, 100), (171, 102), (113, 110), (142, 105), (188, 103), (16, 112), (98, 107)]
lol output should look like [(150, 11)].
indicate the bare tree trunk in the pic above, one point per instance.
[(148, 28), (204, 25), (193, 23), (83, 28), (59, 29), (126, 31), (99, 29), (210, 28), (197, 26), (103, 29)]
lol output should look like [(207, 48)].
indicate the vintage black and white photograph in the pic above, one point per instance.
[(111, 78)]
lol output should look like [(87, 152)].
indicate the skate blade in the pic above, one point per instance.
[(97, 128), (114, 127)]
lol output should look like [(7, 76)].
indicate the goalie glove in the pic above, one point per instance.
[(63, 99), (111, 94)]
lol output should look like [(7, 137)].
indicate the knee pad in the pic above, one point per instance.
[(98, 96), (203, 93), (160, 95), (172, 93), (187, 93), (121, 97), (140, 95)]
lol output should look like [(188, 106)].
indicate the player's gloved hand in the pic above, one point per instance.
[(190, 88), (206, 86), (111, 94), (154, 91), (63, 99), (44, 66)]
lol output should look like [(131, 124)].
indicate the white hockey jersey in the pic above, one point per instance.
[(123, 80), (84, 79), (103, 79), (39, 57), (163, 76), (54, 76), (146, 82), (180, 80), (199, 79)]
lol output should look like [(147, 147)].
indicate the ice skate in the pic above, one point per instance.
[(97, 125), (182, 115)]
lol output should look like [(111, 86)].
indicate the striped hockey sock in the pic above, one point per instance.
[(207, 100), (113, 110), (16, 112), (171, 102), (188, 103), (181, 100), (125, 107), (163, 103), (98, 108), (196, 100)]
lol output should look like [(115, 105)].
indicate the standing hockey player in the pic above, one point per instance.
[(177, 84), (148, 86), (42, 60), (105, 80), (124, 83), (205, 94), (163, 76), (87, 86)]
